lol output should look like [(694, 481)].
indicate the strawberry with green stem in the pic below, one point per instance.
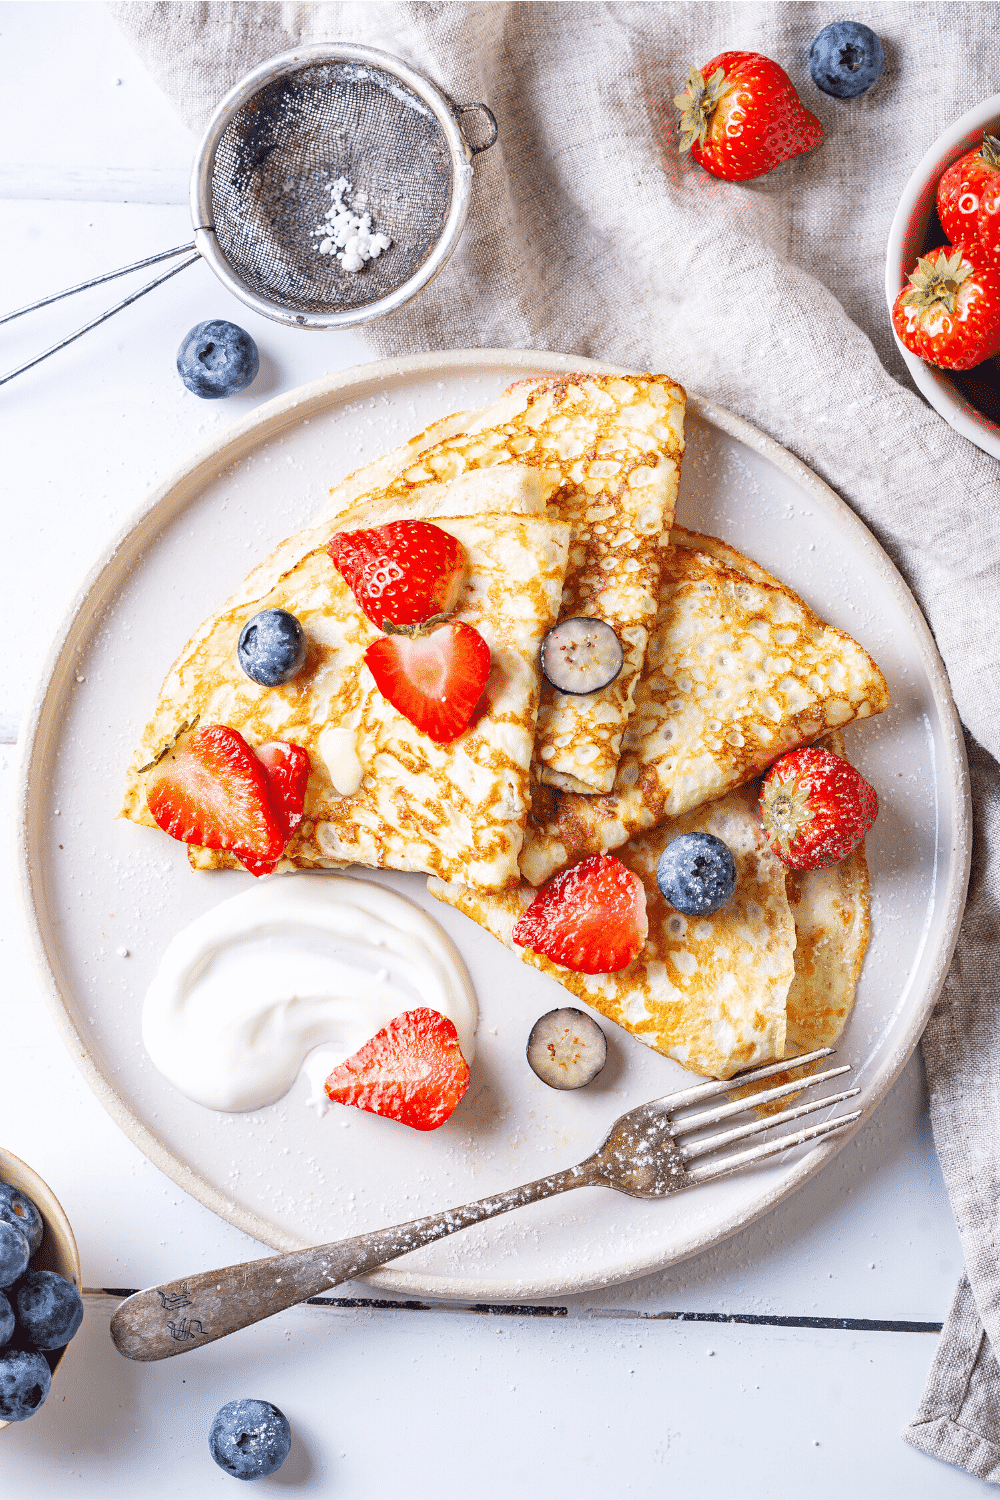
[(816, 808), (950, 312), (741, 117), (961, 190)]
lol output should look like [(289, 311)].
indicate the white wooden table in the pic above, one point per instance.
[(782, 1363)]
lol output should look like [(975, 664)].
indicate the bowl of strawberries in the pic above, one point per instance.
[(942, 275)]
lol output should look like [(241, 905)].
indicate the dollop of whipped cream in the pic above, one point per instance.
[(294, 976)]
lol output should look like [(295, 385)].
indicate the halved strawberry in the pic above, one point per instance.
[(412, 1071), (591, 918), (215, 792), (403, 573), (287, 767), (434, 680)]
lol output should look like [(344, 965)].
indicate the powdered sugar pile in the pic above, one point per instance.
[(347, 231)]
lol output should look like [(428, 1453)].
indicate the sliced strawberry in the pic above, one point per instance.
[(412, 1071), (215, 792), (591, 918), (434, 680), (287, 767), (403, 573)]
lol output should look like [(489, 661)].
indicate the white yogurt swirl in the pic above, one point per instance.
[(247, 991)]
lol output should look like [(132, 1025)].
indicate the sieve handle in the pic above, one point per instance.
[(463, 109), (97, 280)]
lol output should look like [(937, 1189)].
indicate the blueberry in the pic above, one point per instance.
[(24, 1383), (249, 1439), (846, 59), (217, 359), (49, 1309), (272, 647), (18, 1209), (14, 1252), (696, 874), (6, 1320)]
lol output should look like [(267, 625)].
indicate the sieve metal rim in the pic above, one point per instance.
[(460, 154)]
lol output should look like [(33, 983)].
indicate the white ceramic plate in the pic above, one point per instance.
[(93, 886)]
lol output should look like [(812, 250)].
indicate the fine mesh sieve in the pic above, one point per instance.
[(262, 178)]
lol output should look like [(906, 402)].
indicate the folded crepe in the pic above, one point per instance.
[(737, 672), (607, 450), (708, 991), (771, 975), (381, 792)]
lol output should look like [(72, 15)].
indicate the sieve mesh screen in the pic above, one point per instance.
[(273, 169)]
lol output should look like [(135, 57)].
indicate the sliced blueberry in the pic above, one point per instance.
[(14, 1252), (581, 655), (49, 1309), (696, 874), (846, 59), (249, 1439), (272, 647), (6, 1320), (24, 1383), (17, 1208), (566, 1048), (217, 359)]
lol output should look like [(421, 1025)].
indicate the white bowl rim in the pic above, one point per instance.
[(933, 383)]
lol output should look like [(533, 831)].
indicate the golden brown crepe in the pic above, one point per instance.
[(738, 671), (609, 448), (707, 991), (381, 792)]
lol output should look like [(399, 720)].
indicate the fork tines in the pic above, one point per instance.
[(691, 1123)]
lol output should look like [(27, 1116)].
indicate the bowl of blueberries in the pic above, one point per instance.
[(40, 1303)]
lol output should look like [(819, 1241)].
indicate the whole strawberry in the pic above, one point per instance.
[(816, 808), (961, 189), (404, 573), (988, 222), (741, 117), (950, 312)]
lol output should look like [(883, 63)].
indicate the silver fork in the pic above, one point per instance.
[(642, 1156)]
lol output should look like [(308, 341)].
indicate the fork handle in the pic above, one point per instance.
[(183, 1315)]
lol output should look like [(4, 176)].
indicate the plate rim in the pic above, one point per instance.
[(166, 497)]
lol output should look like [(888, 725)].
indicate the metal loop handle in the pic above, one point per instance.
[(463, 109)]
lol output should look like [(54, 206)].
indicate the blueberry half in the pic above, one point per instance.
[(846, 59), (49, 1309), (24, 1383), (566, 1048), (696, 874), (217, 359), (17, 1208), (249, 1439), (272, 647), (582, 655)]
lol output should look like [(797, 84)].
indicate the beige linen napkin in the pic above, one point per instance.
[(589, 234)]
